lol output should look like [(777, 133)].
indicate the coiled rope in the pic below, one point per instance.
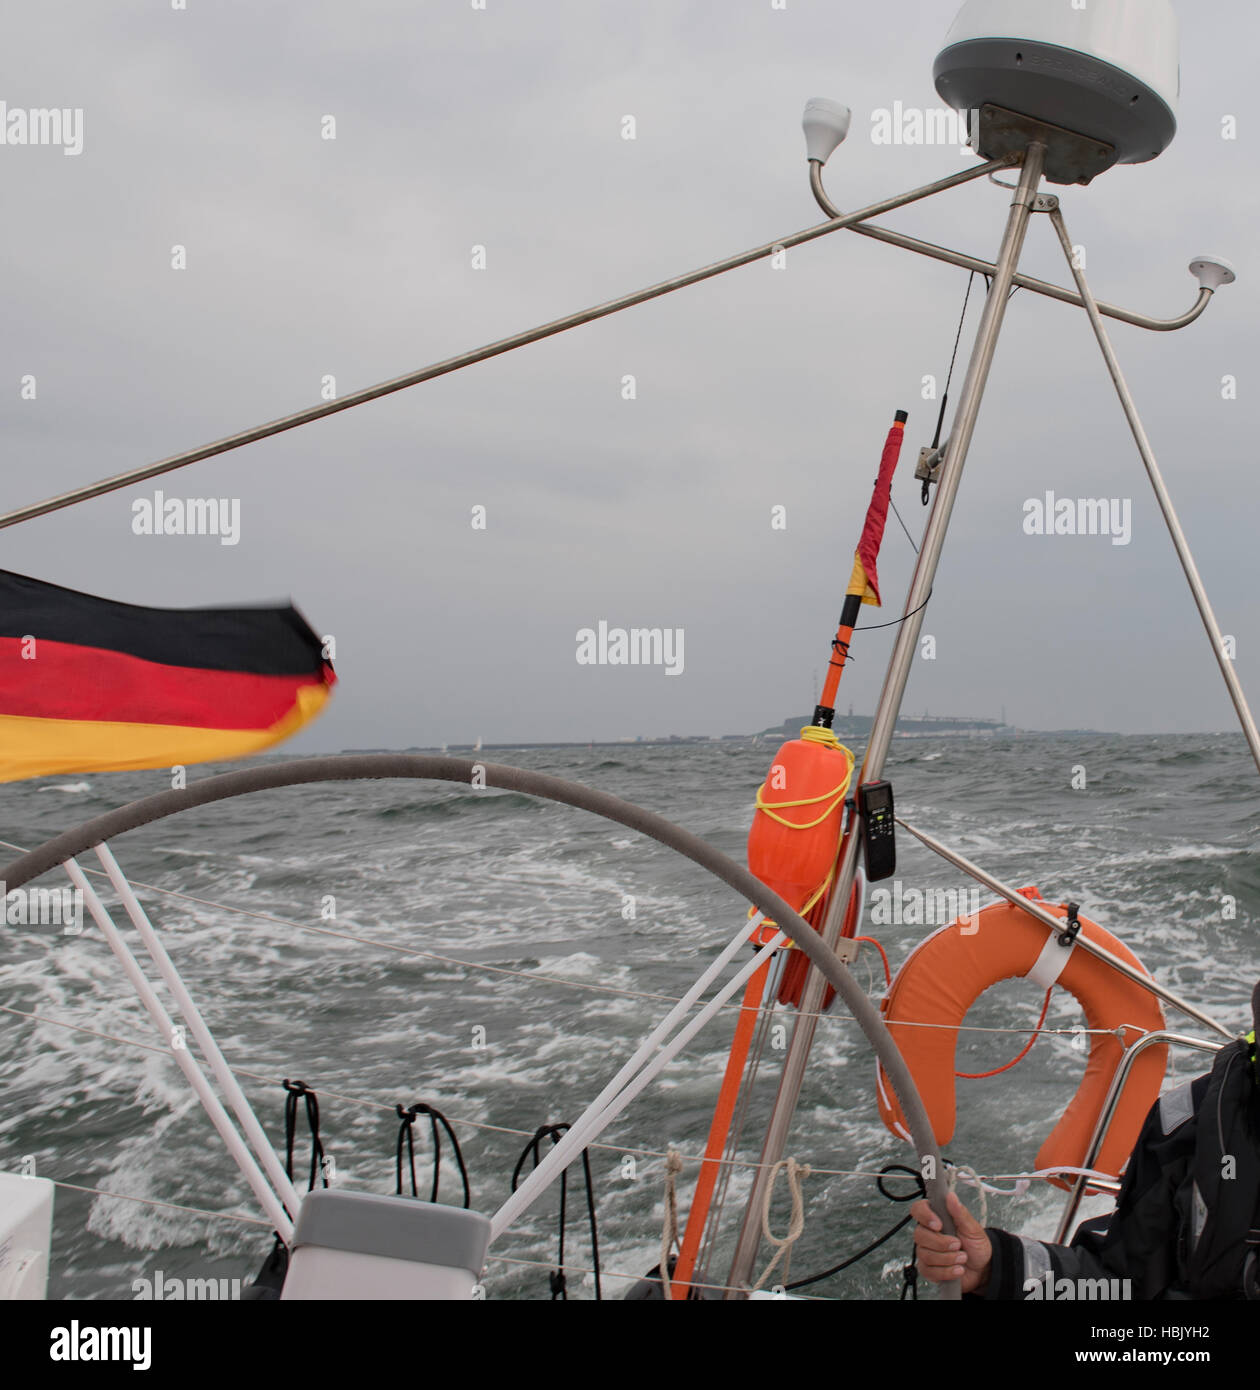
[(558, 1279), (669, 1223), (406, 1136), (796, 1175)]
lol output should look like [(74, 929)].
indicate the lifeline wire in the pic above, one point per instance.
[(919, 1191), (634, 1151)]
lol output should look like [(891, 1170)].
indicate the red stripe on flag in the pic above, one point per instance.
[(66, 681)]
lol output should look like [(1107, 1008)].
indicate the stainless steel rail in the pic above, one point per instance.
[(1118, 1081), (1055, 924), (1202, 602), (1025, 282), (495, 349)]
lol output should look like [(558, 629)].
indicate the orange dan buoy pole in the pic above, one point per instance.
[(825, 751), (719, 1129), (863, 583), (839, 655)]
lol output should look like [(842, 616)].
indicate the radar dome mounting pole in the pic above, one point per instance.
[(1070, 93), (889, 706), (1212, 271)]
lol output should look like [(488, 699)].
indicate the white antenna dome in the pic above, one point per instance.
[(826, 123), (1107, 73), (1213, 271)]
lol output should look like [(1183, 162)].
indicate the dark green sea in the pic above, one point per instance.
[(1156, 846)]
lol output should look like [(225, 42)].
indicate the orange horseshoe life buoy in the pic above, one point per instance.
[(945, 974)]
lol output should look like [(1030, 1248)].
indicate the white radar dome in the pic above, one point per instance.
[(1107, 71)]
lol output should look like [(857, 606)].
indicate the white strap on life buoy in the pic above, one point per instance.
[(1051, 962)]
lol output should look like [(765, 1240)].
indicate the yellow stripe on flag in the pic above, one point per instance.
[(53, 747)]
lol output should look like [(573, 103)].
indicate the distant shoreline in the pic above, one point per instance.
[(844, 728)]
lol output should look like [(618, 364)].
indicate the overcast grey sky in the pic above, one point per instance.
[(502, 127)]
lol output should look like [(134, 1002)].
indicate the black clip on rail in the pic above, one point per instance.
[(1067, 937)]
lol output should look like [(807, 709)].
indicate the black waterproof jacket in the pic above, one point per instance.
[(1187, 1221)]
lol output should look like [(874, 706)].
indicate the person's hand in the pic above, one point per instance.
[(964, 1256)]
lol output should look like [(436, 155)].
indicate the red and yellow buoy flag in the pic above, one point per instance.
[(90, 685), (864, 583)]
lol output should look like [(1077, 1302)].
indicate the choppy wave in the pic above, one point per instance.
[(1158, 844)]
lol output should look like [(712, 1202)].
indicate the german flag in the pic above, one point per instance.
[(89, 685)]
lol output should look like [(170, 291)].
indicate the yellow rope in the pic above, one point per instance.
[(803, 911), (817, 895), (811, 734), (835, 796)]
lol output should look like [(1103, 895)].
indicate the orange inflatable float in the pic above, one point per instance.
[(796, 834), (946, 973)]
